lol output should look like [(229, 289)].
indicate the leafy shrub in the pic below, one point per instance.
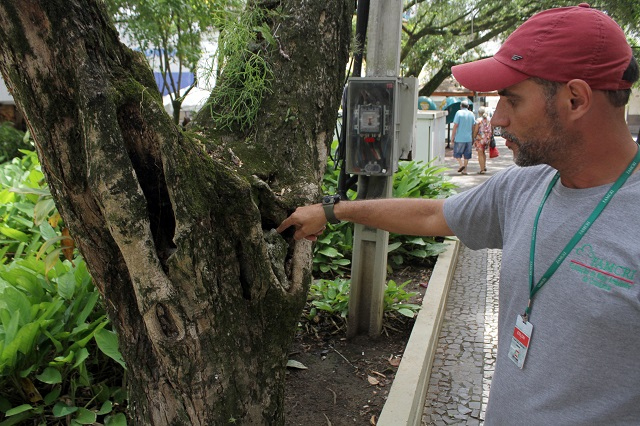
[(329, 300), (25, 207), (329, 295), (333, 251), (12, 141), (59, 358), (395, 298)]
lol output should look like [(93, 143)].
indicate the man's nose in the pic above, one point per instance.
[(499, 118)]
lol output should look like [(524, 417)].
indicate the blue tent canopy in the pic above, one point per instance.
[(425, 103), (452, 105)]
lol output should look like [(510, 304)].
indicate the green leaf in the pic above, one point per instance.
[(64, 359), (82, 354), (61, 409), (10, 349), (393, 246), (406, 312), (19, 418), (108, 343), (52, 396), (26, 337), (50, 375), (47, 231), (17, 303), (67, 285), (14, 234), (85, 417), (329, 252), (117, 420), (19, 409), (106, 408), (43, 209), (418, 253), (90, 303)]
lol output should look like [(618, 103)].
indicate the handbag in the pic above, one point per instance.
[(493, 152), (492, 142)]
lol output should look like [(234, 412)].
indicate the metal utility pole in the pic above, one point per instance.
[(369, 262)]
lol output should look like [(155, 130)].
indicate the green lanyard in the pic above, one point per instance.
[(577, 237)]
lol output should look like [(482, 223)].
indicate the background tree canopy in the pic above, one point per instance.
[(171, 34), (441, 34)]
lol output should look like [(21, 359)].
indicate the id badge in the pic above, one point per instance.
[(520, 341)]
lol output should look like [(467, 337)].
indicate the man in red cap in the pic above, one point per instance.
[(564, 217)]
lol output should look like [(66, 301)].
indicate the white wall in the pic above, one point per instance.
[(5, 97)]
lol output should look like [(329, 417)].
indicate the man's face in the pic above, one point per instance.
[(531, 125)]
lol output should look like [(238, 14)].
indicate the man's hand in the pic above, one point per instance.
[(309, 221)]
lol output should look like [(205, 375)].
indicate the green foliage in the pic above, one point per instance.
[(332, 251), (330, 299), (414, 249), (395, 298), (246, 74), (416, 179), (12, 141), (25, 206), (59, 359), (170, 33), (330, 296)]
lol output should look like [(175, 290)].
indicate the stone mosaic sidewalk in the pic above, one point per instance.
[(463, 365)]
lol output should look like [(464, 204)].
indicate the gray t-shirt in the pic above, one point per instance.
[(583, 363)]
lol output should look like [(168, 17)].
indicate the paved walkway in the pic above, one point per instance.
[(463, 365)]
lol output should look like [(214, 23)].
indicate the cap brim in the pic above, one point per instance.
[(486, 75)]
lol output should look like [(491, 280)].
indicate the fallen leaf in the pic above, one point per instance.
[(296, 364), (395, 361), (379, 374), (372, 380), (373, 420), (30, 390)]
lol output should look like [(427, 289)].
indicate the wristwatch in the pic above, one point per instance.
[(328, 201)]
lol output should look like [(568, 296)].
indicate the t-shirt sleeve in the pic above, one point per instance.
[(482, 216), (473, 216)]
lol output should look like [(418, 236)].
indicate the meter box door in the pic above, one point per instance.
[(371, 129)]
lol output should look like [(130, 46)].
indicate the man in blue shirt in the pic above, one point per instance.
[(462, 135)]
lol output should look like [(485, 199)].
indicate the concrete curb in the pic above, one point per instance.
[(405, 403)]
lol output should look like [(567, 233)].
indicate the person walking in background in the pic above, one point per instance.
[(481, 137), (462, 135), (568, 346)]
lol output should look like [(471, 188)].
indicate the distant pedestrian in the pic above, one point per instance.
[(481, 137), (462, 135)]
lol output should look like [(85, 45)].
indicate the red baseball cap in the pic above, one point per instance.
[(560, 45)]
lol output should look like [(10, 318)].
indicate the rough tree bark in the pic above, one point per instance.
[(178, 237)]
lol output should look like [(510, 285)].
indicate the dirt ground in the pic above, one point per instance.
[(346, 382)]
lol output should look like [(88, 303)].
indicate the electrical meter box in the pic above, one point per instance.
[(371, 126)]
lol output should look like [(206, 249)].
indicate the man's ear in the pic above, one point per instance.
[(580, 98)]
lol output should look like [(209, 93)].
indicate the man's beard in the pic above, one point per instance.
[(549, 149)]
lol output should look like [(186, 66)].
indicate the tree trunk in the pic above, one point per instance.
[(179, 237)]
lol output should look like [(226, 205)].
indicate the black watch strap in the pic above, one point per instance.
[(328, 201)]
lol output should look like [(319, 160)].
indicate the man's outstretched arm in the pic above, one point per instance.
[(410, 216)]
